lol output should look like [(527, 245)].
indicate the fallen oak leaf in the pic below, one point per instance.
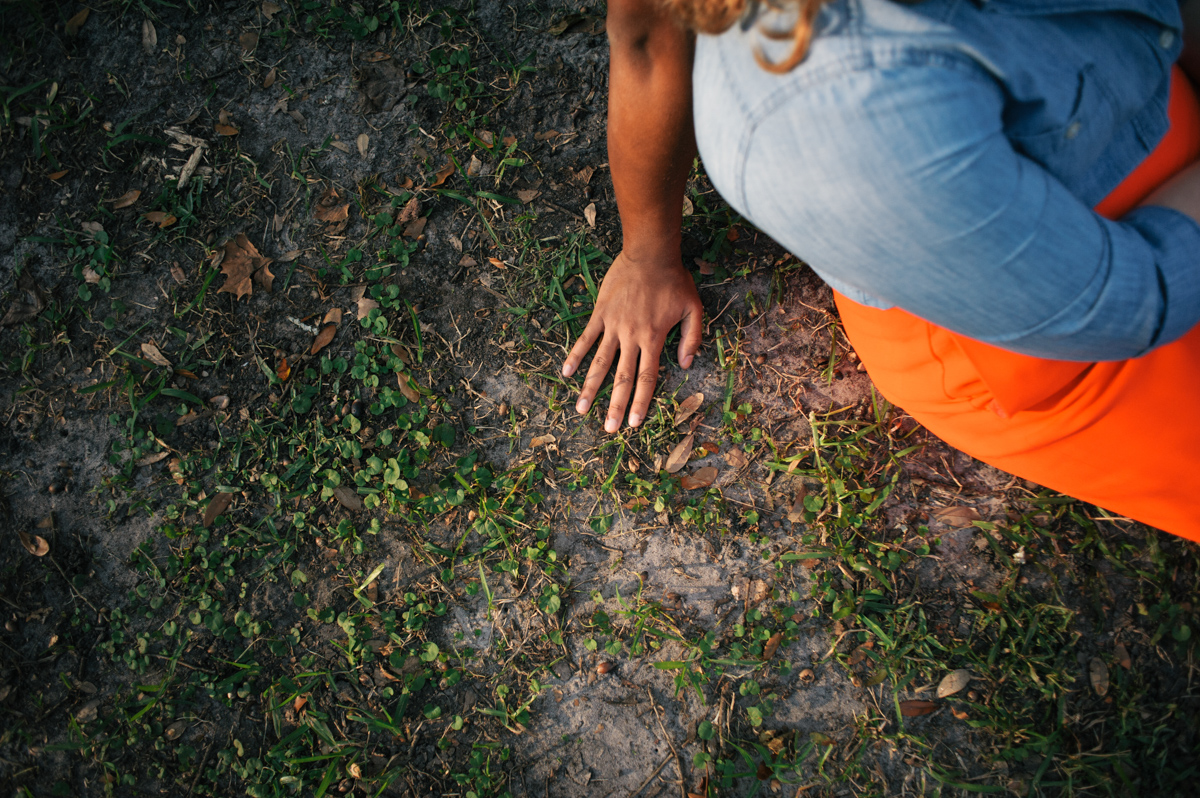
[(226, 130), (34, 544), (701, 479), (406, 388), (76, 22), (329, 209), (679, 456), (772, 645), (442, 175), (410, 211), (239, 262), (347, 498), (957, 516), (415, 227), (687, 407), (912, 709), (216, 505), (126, 199), (333, 316), (953, 682), (154, 355), (264, 277), (323, 338)]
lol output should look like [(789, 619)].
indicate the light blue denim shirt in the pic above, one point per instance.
[(944, 158)]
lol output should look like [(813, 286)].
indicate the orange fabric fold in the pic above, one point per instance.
[(1123, 435)]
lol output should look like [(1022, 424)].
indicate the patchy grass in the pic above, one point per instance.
[(310, 514)]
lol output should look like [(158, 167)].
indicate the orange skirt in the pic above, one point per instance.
[(1124, 435)]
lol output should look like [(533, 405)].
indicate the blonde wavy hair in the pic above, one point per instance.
[(718, 16)]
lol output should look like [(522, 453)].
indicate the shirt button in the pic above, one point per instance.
[(1072, 130), (1166, 39)]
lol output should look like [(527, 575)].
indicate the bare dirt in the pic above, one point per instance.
[(285, 113)]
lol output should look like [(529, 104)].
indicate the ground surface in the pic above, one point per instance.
[(242, 556)]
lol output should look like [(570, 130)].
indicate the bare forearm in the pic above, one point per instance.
[(651, 142)]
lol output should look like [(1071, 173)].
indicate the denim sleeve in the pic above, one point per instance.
[(901, 184)]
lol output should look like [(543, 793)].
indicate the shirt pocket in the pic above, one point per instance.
[(1066, 143)]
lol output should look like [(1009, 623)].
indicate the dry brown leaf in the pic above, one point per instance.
[(225, 130), (541, 440), (499, 264), (347, 498), (410, 211), (151, 459), (333, 316), (219, 402), (772, 645), (264, 277), (76, 22), (154, 355), (528, 195), (736, 458), (688, 407), (149, 37), (175, 467), (90, 275), (1098, 676), (289, 256), (474, 166), (270, 9), (299, 703), (58, 175), (468, 261), (701, 479), (217, 505), (415, 227), (126, 199), (688, 207), (283, 370), (248, 41), (1123, 658), (406, 388), (584, 175), (957, 516), (679, 456), (364, 144), (706, 268), (953, 682), (399, 351), (912, 709), (159, 218), (177, 274), (589, 213), (34, 544), (269, 80), (365, 306), (329, 209), (323, 338), (175, 730), (508, 141), (377, 56), (240, 262), (549, 134), (442, 175), (796, 511)]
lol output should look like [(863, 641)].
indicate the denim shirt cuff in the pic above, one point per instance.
[(1175, 238)]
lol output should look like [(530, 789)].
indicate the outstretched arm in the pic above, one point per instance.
[(647, 291)]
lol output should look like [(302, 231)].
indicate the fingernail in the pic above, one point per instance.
[(612, 425), (686, 362), (634, 419), (582, 406), (568, 369)]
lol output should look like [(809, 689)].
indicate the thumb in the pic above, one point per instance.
[(689, 334)]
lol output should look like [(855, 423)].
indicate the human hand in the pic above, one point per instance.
[(636, 307)]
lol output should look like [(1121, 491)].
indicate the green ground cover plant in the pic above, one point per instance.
[(296, 502)]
